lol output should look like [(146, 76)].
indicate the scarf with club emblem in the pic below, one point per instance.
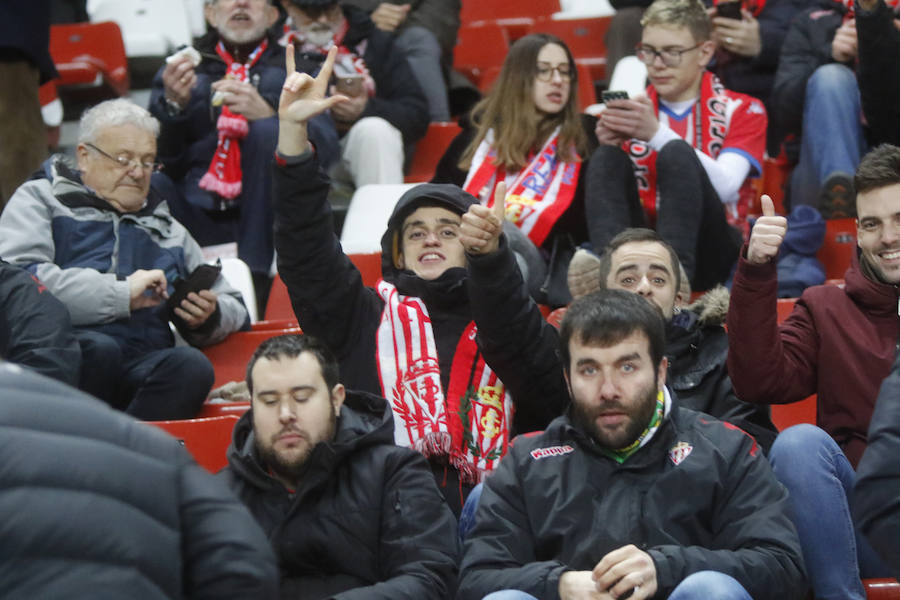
[(540, 193), (470, 424)]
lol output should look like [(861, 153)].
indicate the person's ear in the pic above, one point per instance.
[(338, 395), (81, 155), (706, 51), (661, 373)]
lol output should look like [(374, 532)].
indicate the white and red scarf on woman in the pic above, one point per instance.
[(470, 423), (539, 194), (224, 174), (709, 126)]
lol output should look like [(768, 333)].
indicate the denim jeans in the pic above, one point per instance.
[(701, 585), (467, 516), (819, 478), (833, 139)]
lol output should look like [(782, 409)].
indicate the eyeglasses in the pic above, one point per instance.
[(127, 162), (671, 57), (544, 72)]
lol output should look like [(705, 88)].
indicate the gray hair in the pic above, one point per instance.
[(113, 113)]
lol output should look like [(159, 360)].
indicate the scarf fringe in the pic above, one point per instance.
[(434, 444), (212, 183), (233, 126)]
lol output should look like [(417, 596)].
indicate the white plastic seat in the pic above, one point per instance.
[(368, 215), (237, 273), (149, 27)]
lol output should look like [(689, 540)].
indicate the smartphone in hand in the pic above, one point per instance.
[(729, 10), (608, 95)]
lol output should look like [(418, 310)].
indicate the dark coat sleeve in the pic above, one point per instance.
[(35, 328), (878, 72), (768, 363), (807, 46), (751, 536), (499, 552), (398, 97), (876, 496), (226, 554), (517, 342), (326, 290), (418, 546)]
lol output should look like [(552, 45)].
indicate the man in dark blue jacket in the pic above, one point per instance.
[(628, 495)]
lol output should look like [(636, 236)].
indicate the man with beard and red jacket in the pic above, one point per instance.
[(839, 343), (449, 336)]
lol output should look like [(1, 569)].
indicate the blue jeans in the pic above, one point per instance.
[(467, 515), (701, 585), (833, 139), (819, 478)]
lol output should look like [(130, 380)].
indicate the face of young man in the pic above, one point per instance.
[(429, 242), (614, 389), (317, 26), (551, 96), (241, 21), (878, 230), (681, 82), (293, 410), (644, 268), (118, 164)]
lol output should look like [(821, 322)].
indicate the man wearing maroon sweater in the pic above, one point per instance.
[(838, 343)]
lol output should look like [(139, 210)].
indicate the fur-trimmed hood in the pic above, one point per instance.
[(712, 307)]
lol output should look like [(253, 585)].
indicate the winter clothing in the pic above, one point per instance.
[(187, 143), (698, 496), (35, 329), (838, 342), (876, 501), (332, 304), (697, 349), (83, 250), (366, 521), (99, 505), (878, 69)]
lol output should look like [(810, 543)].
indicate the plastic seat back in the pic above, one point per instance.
[(429, 151), (90, 55), (206, 439), (838, 248), (230, 356), (149, 27)]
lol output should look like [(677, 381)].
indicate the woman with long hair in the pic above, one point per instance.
[(528, 132)]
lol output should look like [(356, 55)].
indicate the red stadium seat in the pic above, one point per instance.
[(838, 248), (515, 16), (882, 589), (218, 409), (229, 357), (478, 48), (278, 307), (206, 439), (430, 149), (90, 55)]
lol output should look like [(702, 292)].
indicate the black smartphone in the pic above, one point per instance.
[(729, 10), (608, 95), (202, 278)]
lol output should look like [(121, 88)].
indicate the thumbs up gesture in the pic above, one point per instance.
[(482, 225), (767, 234)]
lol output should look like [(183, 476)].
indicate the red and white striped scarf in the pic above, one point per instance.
[(224, 174), (540, 193), (470, 424)]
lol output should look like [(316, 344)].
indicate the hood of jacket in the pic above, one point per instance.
[(449, 288), (360, 26), (365, 420)]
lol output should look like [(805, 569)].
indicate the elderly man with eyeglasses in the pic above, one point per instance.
[(691, 145), (104, 242)]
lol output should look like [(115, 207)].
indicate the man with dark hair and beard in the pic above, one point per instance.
[(349, 514), (628, 495)]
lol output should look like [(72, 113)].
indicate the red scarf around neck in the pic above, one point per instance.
[(224, 174)]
